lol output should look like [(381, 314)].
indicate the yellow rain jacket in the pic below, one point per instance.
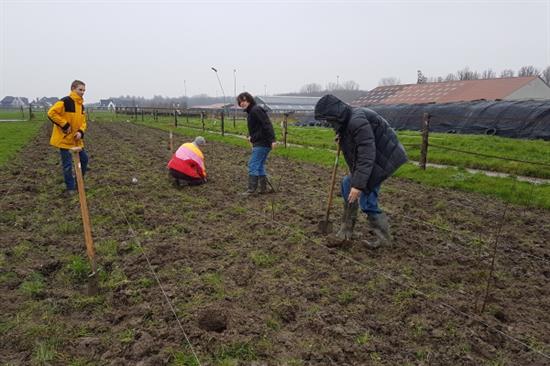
[(67, 112)]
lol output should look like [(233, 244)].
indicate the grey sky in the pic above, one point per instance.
[(148, 48)]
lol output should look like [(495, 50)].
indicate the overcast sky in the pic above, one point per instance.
[(147, 48)]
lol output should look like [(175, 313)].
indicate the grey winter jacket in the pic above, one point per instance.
[(370, 146)]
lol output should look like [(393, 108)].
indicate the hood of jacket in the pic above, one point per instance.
[(333, 110)]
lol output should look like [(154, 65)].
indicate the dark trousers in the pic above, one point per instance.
[(187, 180), (67, 164)]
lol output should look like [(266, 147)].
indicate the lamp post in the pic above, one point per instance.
[(223, 93)]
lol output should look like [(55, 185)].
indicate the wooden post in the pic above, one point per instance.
[(135, 113), (142, 117), (187, 116), (223, 123), (171, 144), (30, 112), (425, 135), (202, 120), (175, 118), (23, 112), (234, 117), (90, 249), (285, 126)]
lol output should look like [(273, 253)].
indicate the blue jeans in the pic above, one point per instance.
[(367, 202), (256, 164), (67, 163)]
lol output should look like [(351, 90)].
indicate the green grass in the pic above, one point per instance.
[(507, 189), (78, 268), (33, 286), (13, 136), (262, 259), (529, 150), (44, 352)]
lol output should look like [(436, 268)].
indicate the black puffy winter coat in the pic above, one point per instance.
[(370, 146)]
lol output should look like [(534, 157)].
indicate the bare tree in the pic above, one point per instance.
[(350, 85), (435, 79), (545, 75), (488, 74), (333, 86), (528, 71), (389, 81), (450, 77), (311, 88), (507, 73), (467, 74), (421, 79)]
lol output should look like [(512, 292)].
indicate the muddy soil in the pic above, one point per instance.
[(250, 280)]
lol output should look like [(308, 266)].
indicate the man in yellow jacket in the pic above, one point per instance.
[(69, 125)]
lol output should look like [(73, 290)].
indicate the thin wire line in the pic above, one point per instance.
[(155, 275), (441, 304)]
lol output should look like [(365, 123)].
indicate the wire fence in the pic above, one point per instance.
[(436, 304)]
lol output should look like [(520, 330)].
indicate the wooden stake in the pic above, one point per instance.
[(90, 249), (424, 147)]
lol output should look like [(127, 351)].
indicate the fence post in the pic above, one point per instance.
[(223, 123), (425, 135), (23, 112), (202, 120), (175, 118), (285, 126), (187, 116), (142, 117), (30, 112)]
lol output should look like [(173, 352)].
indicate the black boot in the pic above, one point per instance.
[(264, 186), (381, 228), (345, 233), (252, 185)]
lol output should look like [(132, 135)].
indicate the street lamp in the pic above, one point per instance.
[(221, 87), (223, 93)]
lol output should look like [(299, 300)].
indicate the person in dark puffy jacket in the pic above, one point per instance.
[(262, 138), (373, 153)]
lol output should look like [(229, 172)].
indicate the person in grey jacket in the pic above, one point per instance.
[(373, 153)]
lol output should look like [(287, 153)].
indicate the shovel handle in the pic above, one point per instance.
[(332, 181), (90, 250)]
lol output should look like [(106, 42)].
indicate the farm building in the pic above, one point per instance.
[(516, 88), (108, 104), (281, 104), (10, 101), (45, 102), (528, 119), (516, 107)]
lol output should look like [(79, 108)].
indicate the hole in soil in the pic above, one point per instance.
[(213, 321)]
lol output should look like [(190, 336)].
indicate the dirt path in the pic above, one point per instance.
[(256, 267)]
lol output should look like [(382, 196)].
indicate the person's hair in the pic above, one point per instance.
[(246, 96), (75, 84)]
